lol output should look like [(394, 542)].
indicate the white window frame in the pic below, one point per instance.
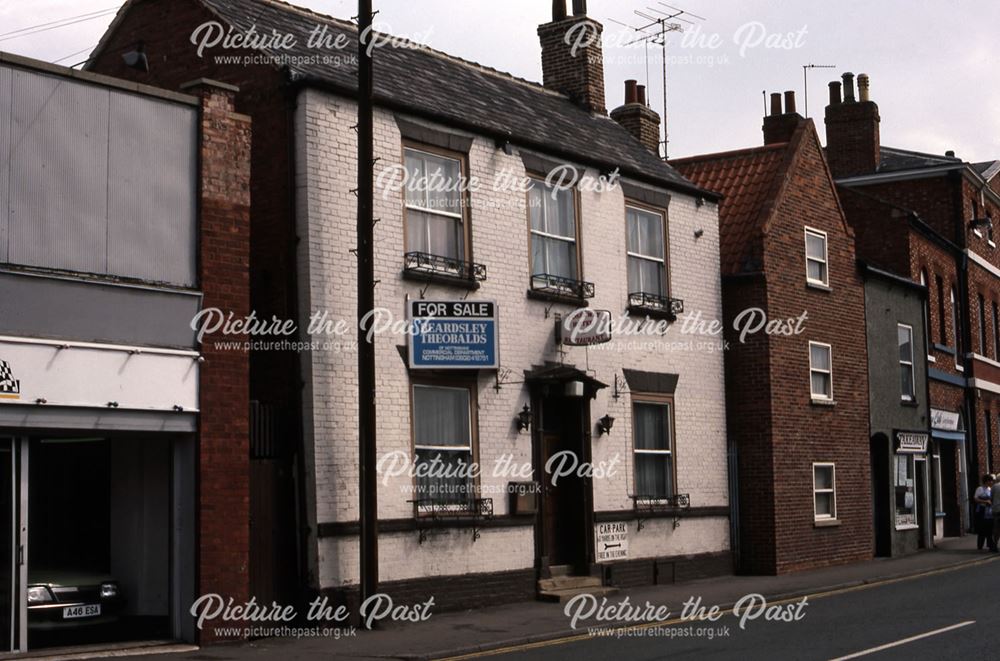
[(938, 492), (911, 470), (648, 258), (459, 217), (826, 256), (902, 363), (536, 278), (956, 328), (647, 400), (470, 448), (832, 516), (822, 397)]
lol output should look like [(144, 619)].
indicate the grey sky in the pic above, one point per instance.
[(932, 64)]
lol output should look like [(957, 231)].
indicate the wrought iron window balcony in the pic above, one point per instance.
[(647, 506), (653, 303), (560, 287), (432, 513), (427, 267)]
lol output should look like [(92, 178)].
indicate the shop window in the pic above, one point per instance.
[(553, 235), (824, 491), (817, 270), (907, 388), (906, 492), (652, 431), (435, 215), (821, 371), (443, 434)]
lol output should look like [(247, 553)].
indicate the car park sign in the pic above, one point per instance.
[(453, 335)]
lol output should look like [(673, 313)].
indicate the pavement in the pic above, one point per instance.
[(523, 625)]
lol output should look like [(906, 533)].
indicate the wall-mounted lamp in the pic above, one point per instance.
[(604, 425), (136, 58), (523, 419)]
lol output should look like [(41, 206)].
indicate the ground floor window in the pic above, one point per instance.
[(443, 441), (652, 432), (906, 492), (824, 491)]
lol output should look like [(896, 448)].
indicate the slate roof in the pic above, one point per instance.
[(748, 179), (460, 93), (895, 159), (987, 169)]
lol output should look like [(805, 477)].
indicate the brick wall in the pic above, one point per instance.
[(804, 432), (852, 133), (576, 72)]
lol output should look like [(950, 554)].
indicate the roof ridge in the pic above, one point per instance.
[(715, 156), (422, 47), (943, 157)]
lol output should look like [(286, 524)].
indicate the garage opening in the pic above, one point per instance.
[(99, 540)]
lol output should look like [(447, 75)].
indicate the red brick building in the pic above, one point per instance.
[(929, 218), (797, 407)]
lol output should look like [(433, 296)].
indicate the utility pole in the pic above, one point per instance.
[(368, 487)]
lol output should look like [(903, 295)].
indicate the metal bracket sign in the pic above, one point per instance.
[(584, 327), (453, 335), (611, 541)]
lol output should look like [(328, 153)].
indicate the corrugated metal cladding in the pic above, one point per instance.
[(6, 107), (101, 181)]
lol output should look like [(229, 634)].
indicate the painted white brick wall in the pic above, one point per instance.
[(326, 149)]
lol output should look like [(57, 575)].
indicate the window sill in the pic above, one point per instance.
[(912, 403), (818, 285), (816, 401), (551, 297), (910, 526), (652, 313), (442, 279), (992, 244), (826, 523)]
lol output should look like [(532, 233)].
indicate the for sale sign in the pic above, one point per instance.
[(454, 335)]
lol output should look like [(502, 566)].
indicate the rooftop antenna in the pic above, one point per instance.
[(656, 24), (805, 81)]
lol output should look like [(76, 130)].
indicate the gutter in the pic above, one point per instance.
[(300, 81)]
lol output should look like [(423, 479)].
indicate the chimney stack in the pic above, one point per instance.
[(779, 126), (852, 129), (637, 118), (572, 56)]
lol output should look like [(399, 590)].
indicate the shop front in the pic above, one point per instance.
[(97, 452), (948, 465)]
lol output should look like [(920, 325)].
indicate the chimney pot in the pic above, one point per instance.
[(631, 93), (848, 87), (863, 85), (775, 103), (789, 102), (835, 93), (641, 94), (950, 153), (579, 7), (558, 10)]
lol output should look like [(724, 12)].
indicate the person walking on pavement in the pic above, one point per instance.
[(983, 512)]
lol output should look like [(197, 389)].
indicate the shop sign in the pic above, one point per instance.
[(90, 375), (911, 442), (945, 420), (612, 541), (453, 335), (584, 327)]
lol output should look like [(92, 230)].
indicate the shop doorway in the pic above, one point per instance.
[(923, 504), (881, 495), (91, 531)]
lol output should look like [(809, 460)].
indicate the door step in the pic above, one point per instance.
[(569, 583), (562, 595)]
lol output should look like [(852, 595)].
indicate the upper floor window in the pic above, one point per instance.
[(821, 371), (942, 334), (647, 262), (956, 328), (907, 387), (982, 325), (435, 213), (817, 270), (442, 442), (652, 430), (554, 249)]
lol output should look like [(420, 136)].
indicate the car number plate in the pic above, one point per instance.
[(87, 610)]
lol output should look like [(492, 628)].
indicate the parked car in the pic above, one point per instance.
[(58, 599)]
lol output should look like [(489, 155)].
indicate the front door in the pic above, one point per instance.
[(566, 497), (13, 537), (923, 506)]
